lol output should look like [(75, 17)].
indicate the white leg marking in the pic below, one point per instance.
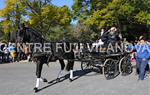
[(37, 82), (60, 73), (71, 74)]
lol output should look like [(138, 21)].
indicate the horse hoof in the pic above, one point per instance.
[(36, 90), (45, 80), (70, 79)]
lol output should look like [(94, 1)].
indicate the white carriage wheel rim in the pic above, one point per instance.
[(120, 63)]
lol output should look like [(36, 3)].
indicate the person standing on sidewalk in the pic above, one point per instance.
[(142, 56)]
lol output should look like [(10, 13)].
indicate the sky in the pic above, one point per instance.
[(60, 3), (2, 4)]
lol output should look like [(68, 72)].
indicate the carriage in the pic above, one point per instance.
[(108, 64)]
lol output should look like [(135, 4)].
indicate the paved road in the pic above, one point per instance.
[(19, 79)]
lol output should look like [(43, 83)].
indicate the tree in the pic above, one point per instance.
[(12, 15), (112, 12), (38, 14), (83, 33)]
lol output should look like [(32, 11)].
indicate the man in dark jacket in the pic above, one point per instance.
[(113, 36), (110, 37)]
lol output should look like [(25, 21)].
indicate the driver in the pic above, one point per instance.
[(113, 36), (110, 37)]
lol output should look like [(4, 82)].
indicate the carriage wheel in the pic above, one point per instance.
[(125, 66), (86, 65), (111, 69)]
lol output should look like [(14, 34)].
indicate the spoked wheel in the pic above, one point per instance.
[(86, 65), (125, 66), (111, 69)]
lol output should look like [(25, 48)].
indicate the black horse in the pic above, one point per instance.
[(40, 57)]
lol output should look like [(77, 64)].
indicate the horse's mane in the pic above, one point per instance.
[(34, 36)]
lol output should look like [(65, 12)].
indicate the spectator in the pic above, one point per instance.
[(19, 52), (142, 56), (2, 53), (6, 53), (26, 51), (12, 52)]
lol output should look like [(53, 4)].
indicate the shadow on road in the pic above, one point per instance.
[(77, 74), (55, 81)]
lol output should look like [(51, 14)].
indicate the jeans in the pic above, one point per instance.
[(141, 65)]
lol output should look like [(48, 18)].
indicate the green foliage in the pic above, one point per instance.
[(128, 15), (83, 33), (11, 14), (44, 17), (38, 14), (111, 12)]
